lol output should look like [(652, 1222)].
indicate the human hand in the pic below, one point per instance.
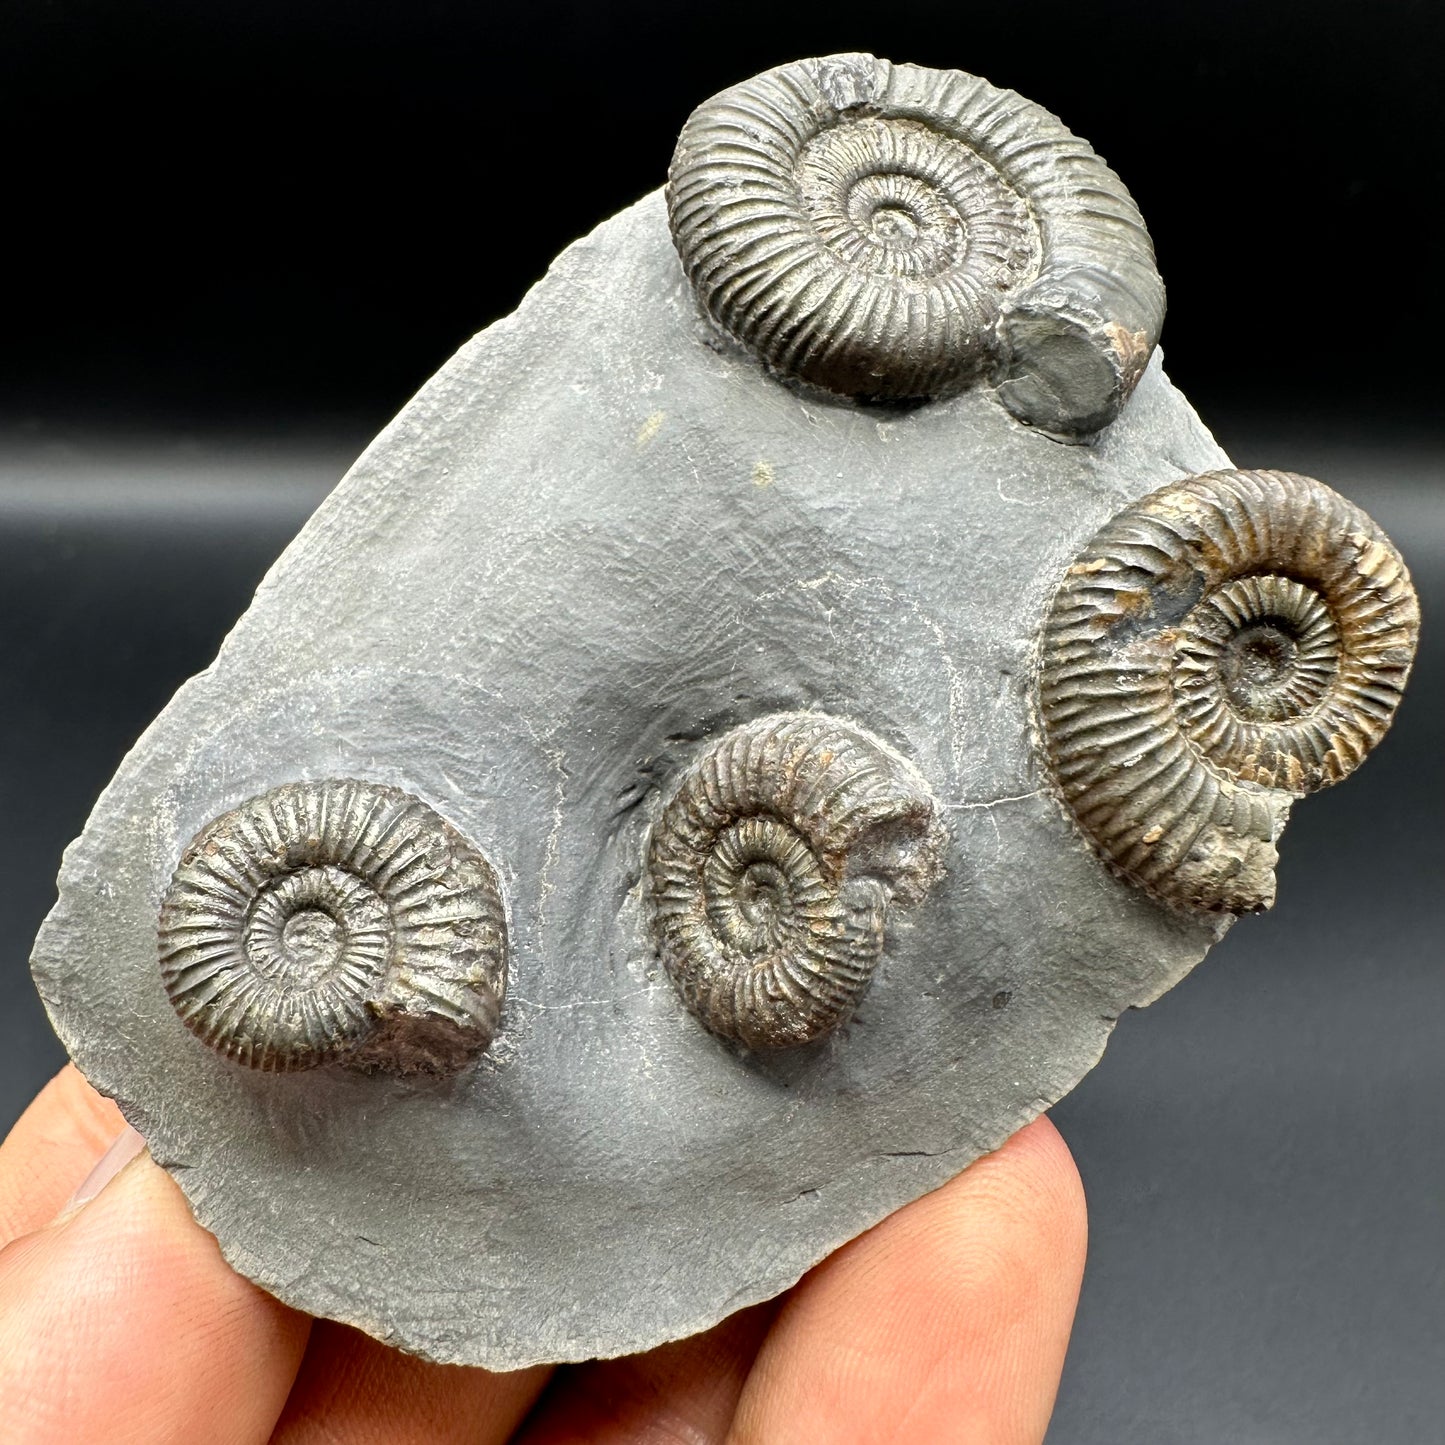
[(121, 1323)]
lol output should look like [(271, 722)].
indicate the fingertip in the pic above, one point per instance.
[(122, 1322), (686, 1390), (1007, 1235), (67, 1127), (1033, 1179), (69, 1094), (353, 1390), (947, 1321)]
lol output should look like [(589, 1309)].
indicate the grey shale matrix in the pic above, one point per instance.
[(728, 752)]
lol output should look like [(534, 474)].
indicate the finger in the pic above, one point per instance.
[(352, 1390), (124, 1324), (51, 1149), (686, 1391), (946, 1322)]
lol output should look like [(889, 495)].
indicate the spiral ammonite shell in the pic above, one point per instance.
[(1221, 647), (335, 920), (771, 868), (888, 231)]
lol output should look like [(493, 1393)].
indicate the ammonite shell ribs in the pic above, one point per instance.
[(1221, 647), (771, 870), (335, 920), (888, 231)]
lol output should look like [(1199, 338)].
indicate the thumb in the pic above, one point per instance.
[(121, 1322)]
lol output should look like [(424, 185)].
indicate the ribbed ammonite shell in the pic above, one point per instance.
[(335, 920), (1221, 647), (888, 231), (771, 869)]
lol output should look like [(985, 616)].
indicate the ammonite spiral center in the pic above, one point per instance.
[(313, 941), (757, 876), (894, 225), (762, 896), (1267, 647), (894, 198), (306, 926), (907, 226), (1257, 665)]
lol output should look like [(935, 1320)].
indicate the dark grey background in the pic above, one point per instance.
[(251, 229)]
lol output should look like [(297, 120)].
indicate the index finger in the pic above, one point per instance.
[(946, 1322), (55, 1143)]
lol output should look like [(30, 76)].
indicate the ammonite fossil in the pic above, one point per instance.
[(888, 231), (1221, 647), (335, 920), (771, 869)]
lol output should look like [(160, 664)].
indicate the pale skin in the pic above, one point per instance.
[(120, 1324)]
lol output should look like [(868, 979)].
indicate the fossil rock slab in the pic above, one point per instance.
[(592, 542), (604, 568)]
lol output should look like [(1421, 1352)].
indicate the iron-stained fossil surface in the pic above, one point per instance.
[(663, 812), (1229, 643)]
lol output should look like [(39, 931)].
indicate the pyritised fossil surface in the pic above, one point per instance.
[(335, 921), (770, 872), (888, 231), (728, 752)]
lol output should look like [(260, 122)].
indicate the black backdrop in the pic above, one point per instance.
[(242, 233), (262, 209)]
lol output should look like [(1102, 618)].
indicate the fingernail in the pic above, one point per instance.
[(127, 1145)]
